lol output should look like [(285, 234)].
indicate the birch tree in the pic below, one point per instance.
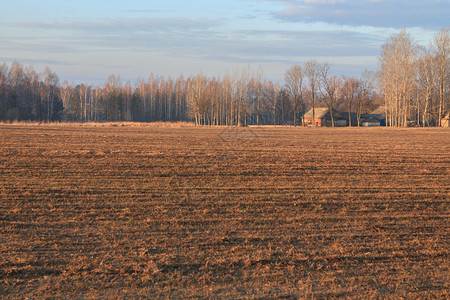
[(398, 75), (51, 85), (425, 85), (441, 49), (3, 86)]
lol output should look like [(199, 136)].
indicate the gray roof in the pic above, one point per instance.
[(381, 110)]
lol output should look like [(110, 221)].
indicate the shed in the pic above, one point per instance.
[(376, 117), (370, 123)]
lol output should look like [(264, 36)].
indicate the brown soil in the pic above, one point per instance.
[(145, 212)]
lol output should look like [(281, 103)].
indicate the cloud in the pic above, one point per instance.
[(166, 25), (389, 14), (301, 43), (124, 43), (343, 32), (151, 34)]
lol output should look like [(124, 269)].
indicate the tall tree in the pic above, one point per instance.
[(350, 90), (195, 90), (441, 49), (16, 91), (180, 104), (3, 87), (311, 69), (294, 85), (398, 75), (425, 85), (331, 86), (364, 94), (258, 89), (50, 94)]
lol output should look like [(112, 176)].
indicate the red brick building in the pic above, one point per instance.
[(445, 121), (322, 118)]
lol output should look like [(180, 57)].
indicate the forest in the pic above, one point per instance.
[(413, 83)]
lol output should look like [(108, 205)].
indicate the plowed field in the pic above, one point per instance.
[(145, 212)]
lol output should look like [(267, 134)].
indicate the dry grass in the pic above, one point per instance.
[(182, 212), (179, 124)]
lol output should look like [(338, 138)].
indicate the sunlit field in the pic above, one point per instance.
[(134, 211)]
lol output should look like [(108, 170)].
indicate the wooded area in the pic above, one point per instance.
[(413, 84)]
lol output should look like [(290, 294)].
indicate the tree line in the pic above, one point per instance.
[(413, 84), (415, 80)]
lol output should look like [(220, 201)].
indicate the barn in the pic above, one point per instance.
[(353, 117), (445, 121), (322, 118)]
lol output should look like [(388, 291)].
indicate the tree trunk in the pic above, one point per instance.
[(349, 116)]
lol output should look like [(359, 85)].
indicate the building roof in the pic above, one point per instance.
[(381, 110), (319, 113)]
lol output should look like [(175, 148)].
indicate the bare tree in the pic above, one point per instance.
[(32, 100), (242, 92), (364, 94), (227, 99), (441, 49), (128, 94), (3, 87), (51, 85), (294, 86), (16, 89), (243, 98), (195, 91), (350, 90), (65, 93), (258, 88), (425, 85), (398, 75), (180, 107), (311, 69), (331, 87)]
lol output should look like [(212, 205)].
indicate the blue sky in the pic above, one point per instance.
[(86, 41)]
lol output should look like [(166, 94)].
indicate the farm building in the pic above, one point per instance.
[(445, 121), (370, 122), (375, 118), (322, 118), (353, 117)]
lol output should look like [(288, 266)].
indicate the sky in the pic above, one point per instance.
[(86, 41)]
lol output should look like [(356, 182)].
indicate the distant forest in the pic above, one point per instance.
[(413, 83)]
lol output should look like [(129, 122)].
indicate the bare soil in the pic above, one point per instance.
[(161, 212)]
